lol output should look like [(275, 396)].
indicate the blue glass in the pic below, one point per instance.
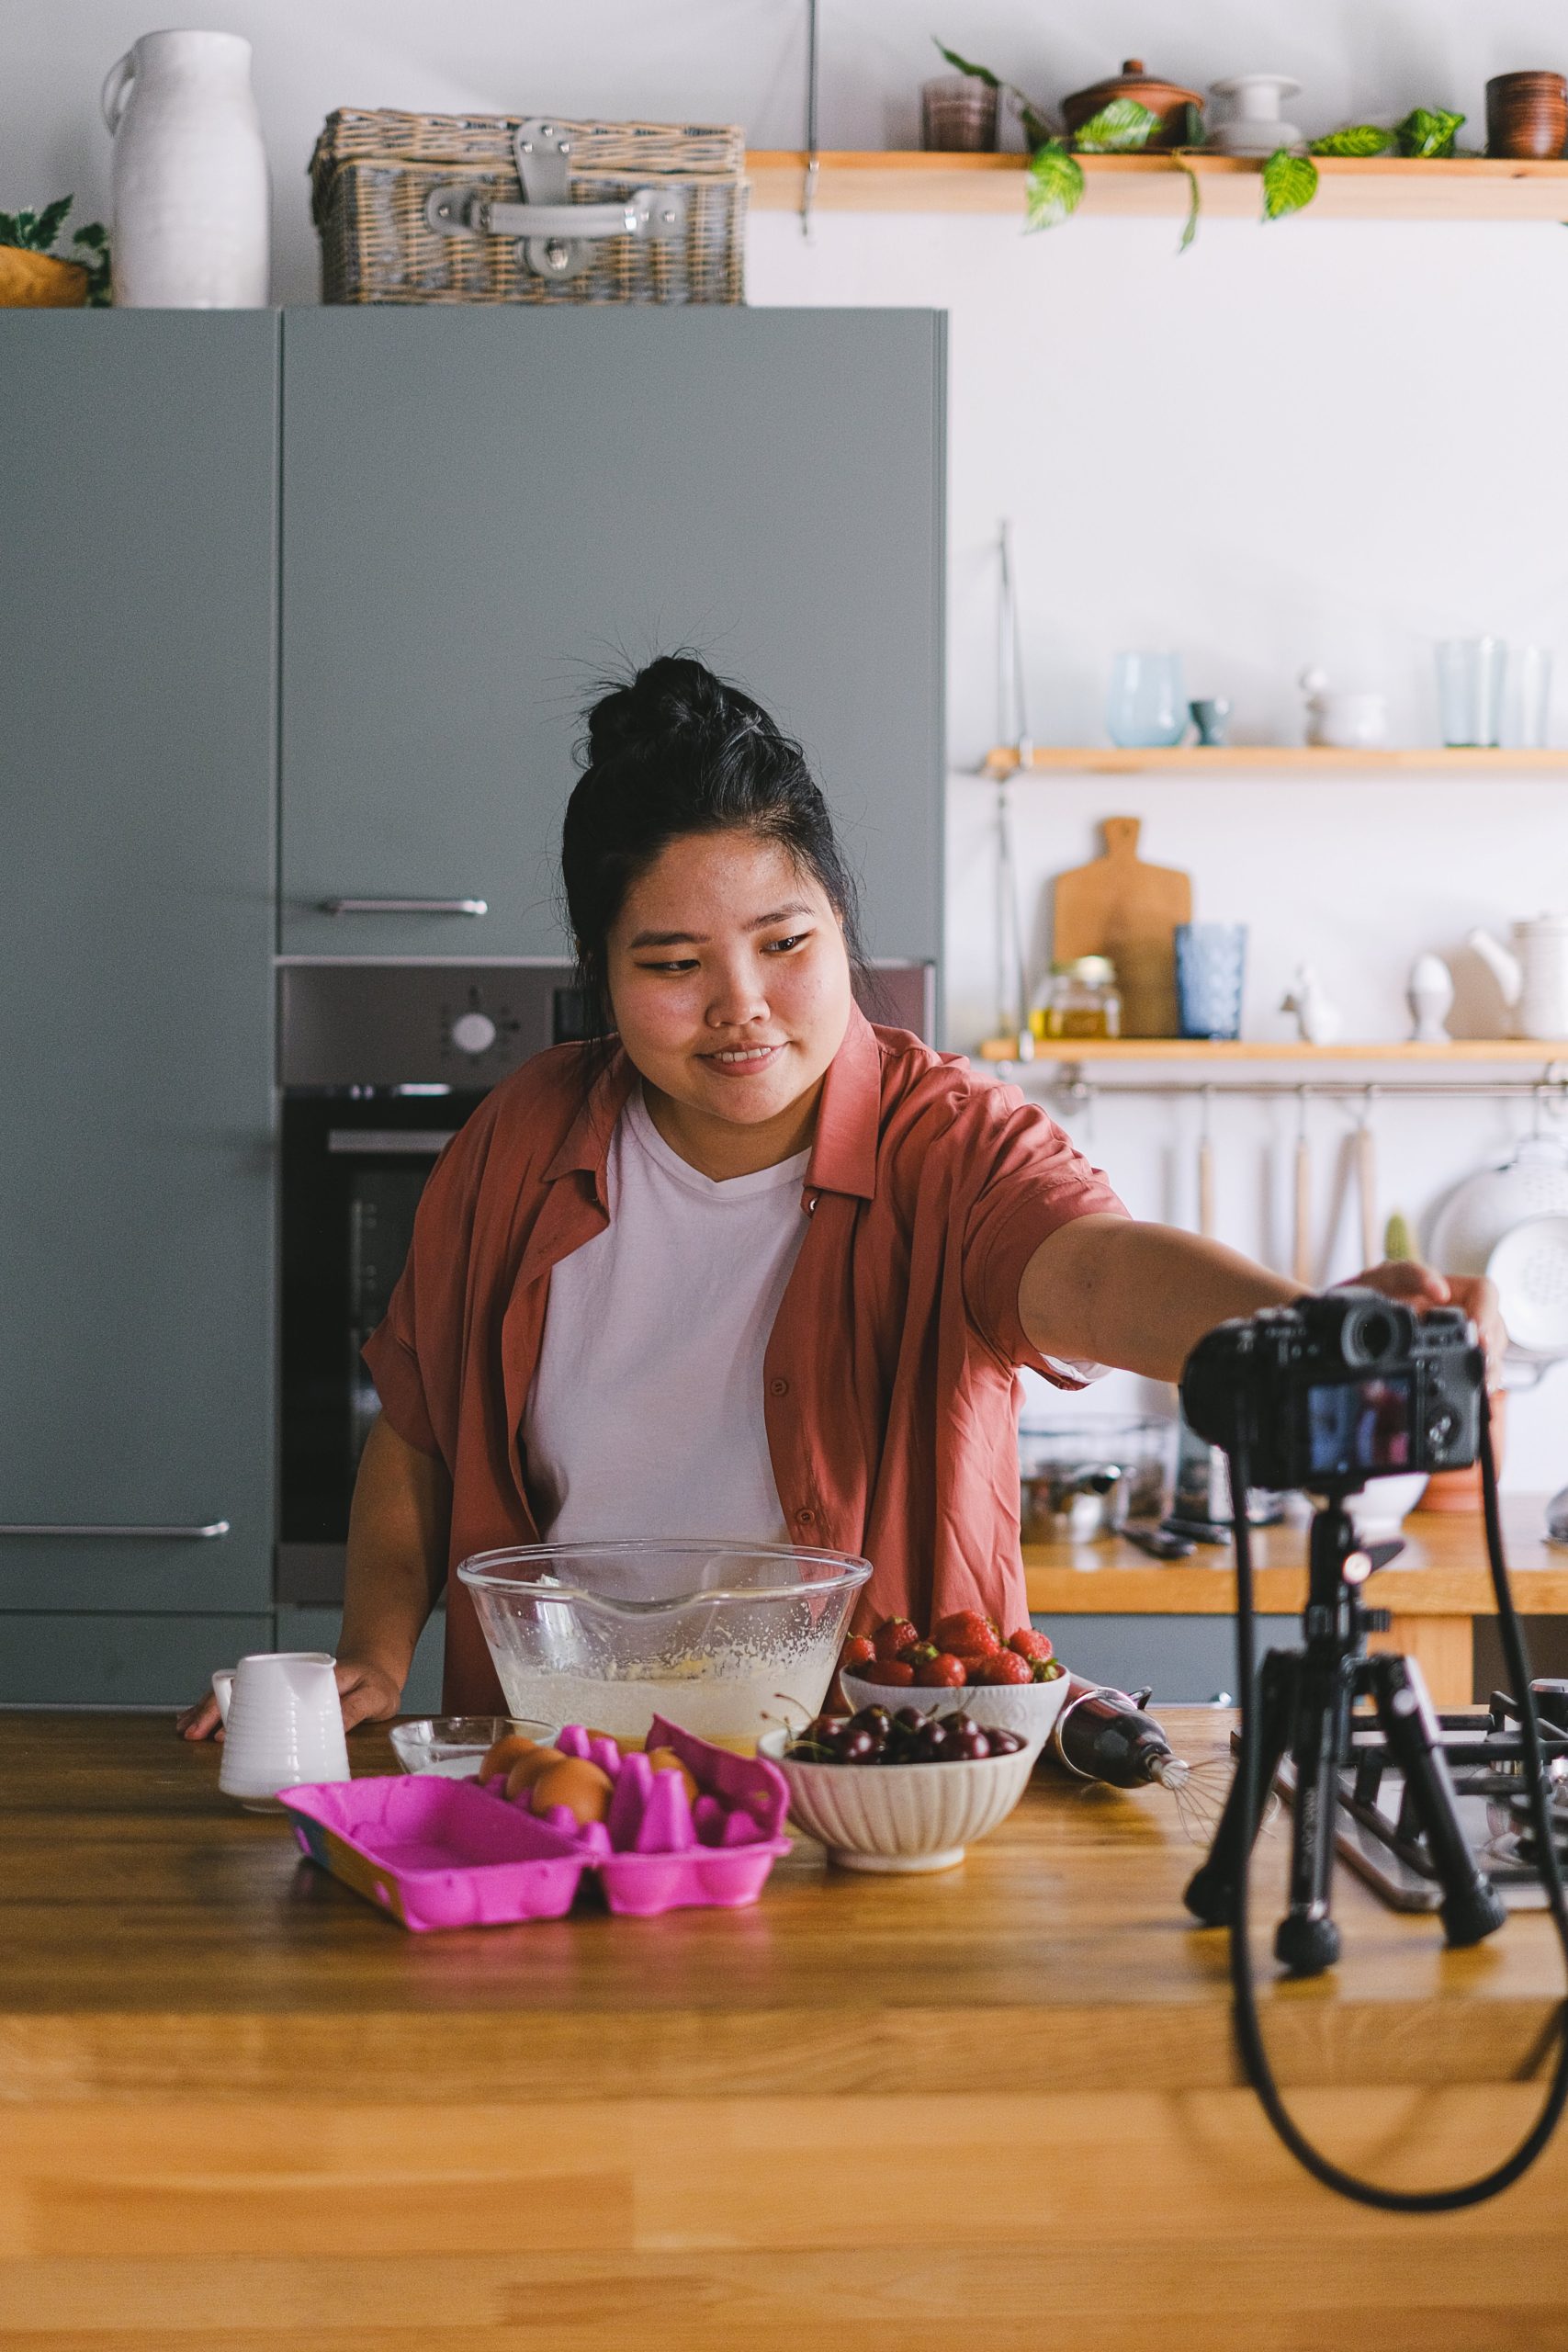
[(1149, 703), (1211, 960)]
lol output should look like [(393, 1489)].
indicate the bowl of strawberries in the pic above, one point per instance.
[(965, 1662)]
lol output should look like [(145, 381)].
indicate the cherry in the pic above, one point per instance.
[(971, 1746)]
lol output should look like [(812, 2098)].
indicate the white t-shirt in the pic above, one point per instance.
[(645, 1417)]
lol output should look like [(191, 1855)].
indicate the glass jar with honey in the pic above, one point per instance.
[(1079, 999)]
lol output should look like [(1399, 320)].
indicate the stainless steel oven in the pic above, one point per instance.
[(380, 1065)]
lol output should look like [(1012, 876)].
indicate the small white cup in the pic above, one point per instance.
[(282, 1724)]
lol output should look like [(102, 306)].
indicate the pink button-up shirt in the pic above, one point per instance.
[(890, 1399)]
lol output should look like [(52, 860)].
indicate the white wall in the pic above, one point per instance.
[(1310, 442)]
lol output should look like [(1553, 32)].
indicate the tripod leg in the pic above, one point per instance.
[(1212, 1890), (1306, 1941), (1470, 1907)]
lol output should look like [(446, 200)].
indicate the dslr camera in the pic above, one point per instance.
[(1335, 1390)]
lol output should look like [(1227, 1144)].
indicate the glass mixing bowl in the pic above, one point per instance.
[(710, 1635)]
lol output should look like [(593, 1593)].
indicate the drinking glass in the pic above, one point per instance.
[(1527, 698), (1147, 704), (1470, 691), (1211, 958)]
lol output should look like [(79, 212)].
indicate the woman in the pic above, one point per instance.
[(753, 1267)]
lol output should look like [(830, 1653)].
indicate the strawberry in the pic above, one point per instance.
[(893, 1635), (889, 1673), (942, 1671), (1007, 1667), (1048, 1669), (858, 1651), (966, 1634), (1029, 1644)]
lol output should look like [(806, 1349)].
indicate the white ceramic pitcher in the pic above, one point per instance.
[(191, 202), (282, 1723), (1533, 977)]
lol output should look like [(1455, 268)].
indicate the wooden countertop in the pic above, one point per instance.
[(1443, 1572), (155, 1940)]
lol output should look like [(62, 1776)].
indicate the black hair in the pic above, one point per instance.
[(672, 751)]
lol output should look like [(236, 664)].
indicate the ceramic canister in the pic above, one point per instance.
[(191, 197)]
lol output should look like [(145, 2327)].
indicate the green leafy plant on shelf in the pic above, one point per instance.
[(1056, 179), (36, 232), (1290, 178)]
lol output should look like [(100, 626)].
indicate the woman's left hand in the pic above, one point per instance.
[(1422, 1286)]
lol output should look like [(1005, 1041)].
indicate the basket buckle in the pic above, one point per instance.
[(555, 234)]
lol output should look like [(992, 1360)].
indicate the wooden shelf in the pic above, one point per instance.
[(1384, 187), (1254, 759), (1246, 1049)]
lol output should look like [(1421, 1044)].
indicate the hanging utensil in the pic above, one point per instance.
[(1367, 1181), (1012, 986), (1301, 1250), (1206, 1169)]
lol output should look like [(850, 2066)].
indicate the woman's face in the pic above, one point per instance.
[(730, 985)]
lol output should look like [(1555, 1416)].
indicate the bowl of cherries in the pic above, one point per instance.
[(1008, 1682), (899, 1790)]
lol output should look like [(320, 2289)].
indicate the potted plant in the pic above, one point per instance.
[(34, 277)]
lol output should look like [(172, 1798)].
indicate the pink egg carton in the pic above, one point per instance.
[(439, 1853)]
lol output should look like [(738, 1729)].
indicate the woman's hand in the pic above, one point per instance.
[(369, 1693), (1421, 1287)]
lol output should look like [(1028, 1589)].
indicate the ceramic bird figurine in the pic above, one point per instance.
[(1320, 1021)]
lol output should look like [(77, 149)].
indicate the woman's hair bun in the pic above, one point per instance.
[(673, 697)]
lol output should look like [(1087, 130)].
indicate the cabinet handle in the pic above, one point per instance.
[(160, 1534), (405, 906)]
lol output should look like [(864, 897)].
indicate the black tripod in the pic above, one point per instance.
[(1304, 1698)]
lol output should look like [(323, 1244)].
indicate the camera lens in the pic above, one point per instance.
[(1370, 1334)]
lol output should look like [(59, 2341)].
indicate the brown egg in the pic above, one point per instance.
[(664, 1759), (506, 1753), (584, 1788), (528, 1769)]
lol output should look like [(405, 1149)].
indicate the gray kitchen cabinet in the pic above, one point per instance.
[(318, 1629), (488, 508), (138, 486), (1189, 1660), (100, 1659)]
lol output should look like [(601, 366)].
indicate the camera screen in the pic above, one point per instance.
[(1358, 1424)]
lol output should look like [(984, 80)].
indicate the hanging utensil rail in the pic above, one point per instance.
[(1072, 1086)]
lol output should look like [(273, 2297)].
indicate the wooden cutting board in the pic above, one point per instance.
[(1120, 908)]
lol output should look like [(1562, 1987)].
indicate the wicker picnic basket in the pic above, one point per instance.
[(375, 176)]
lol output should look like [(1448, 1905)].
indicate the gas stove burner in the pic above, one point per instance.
[(1378, 1834)]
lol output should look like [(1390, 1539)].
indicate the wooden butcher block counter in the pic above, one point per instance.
[(997, 2105)]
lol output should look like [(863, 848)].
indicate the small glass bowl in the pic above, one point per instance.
[(453, 1746)]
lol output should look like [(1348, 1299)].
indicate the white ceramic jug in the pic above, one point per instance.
[(191, 201), (282, 1724), (1534, 977)]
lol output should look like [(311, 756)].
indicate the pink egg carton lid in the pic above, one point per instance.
[(441, 1853), (434, 1853)]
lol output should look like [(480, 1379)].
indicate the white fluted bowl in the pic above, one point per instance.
[(1030, 1709), (900, 1816)]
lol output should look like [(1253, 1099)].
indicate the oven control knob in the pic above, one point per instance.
[(473, 1033)]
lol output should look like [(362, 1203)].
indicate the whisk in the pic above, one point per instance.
[(1103, 1735)]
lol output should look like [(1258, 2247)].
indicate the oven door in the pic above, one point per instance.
[(354, 1168)]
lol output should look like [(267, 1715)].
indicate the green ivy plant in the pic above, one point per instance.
[(1054, 189), (36, 232), (1290, 178), (1055, 184)]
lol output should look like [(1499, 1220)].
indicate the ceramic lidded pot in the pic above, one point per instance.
[(1526, 115), (1167, 99)]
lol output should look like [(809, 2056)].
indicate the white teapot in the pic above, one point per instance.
[(1533, 975)]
